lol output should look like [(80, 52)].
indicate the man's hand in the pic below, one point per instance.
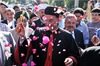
[(95, 40), (20, 30), (68, 62)]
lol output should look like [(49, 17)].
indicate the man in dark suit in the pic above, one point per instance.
[(70, 25), (53, 47), (40, 14), (90, 57)]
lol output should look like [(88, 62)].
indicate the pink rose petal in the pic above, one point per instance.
[(24, 64), (41, 45), (22, 54), (35, 7), (45, 39), (8, 45), (35, 38), (44, 18), (46, 28), (38, 28), (34, 51), (32, 63), (33, 24)]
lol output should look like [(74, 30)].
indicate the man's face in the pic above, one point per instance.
[(17, 9), (40, 13), (70, 24), (51, 21), (79, 17), (2, 8), (22, 21), (95, 17), (9, 15)]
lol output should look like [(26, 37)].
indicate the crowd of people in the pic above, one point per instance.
[(49, 35)]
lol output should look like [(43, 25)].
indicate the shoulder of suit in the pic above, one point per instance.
[(38, 20), (66, 31), (78, 30)]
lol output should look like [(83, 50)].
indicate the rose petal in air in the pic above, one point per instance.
[(34, 51), (46, 28), (22, 54), (38, 28), (24, 64), (45, 39), (33, 24), (35, 38), (32, 63)]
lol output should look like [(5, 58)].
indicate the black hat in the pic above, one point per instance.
[(79, 10), (4, 4), (18, 14), (96, 10), (32, 15), (53, 11)]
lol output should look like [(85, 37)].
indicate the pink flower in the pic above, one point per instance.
[(45, 39), (8, 45), (35, 38), (35, 7), (22, 54), (44, 18), (32, 63), (24, 64), (33, 24), (34, 51), (38, 28), (41, 45), (46, 28)]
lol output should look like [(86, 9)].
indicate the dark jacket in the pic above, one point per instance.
[(38, 23), (64, 47), (79, 38), (91, 57)]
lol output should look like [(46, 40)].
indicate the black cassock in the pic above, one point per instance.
[(91, 57), (64, 46)]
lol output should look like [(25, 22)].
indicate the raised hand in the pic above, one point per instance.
[(95, 40), (20, 30)]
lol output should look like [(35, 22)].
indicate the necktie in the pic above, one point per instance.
[(48, 61)]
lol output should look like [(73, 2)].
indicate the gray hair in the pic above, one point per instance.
[(70, 16)]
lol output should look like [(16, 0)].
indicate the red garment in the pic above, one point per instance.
[(17, 55), (48, 61)]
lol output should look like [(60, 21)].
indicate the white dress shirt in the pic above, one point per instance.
[(11, 23), (73, 35)]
